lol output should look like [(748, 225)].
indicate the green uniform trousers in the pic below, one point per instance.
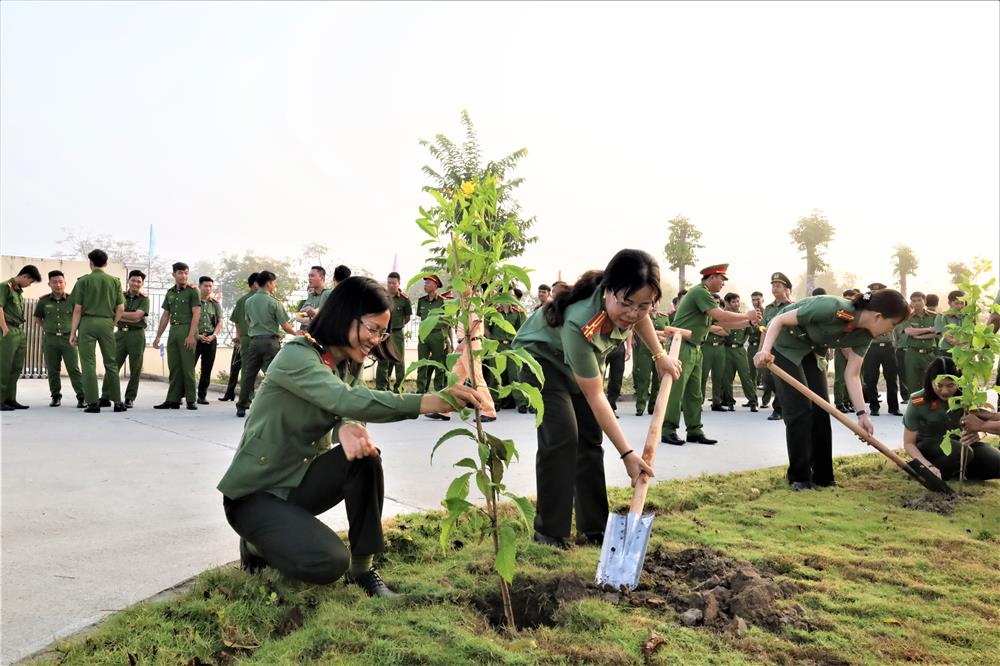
[(12, 348), (736, 364), (915, 362), (434, 348), (385, 369), (257, 357), (131, 345), (94, 332), (57, 351), (645, 379), (713, 363), (752, 350), (180, 363), (904, 388), (686, 394), (840, 396)]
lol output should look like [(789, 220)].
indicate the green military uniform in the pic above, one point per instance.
[(12, 345), (713, 362), (238, 317), (569, 464), (181, 302), (434, 346), (753, 346), (901, 338), (516, 318), (931, 420), (941, 322), (770, 312), (840, 397), (736, 364), (645, 379), (313, 300), (264, 316), (208, 319), (99, 295), (57, 316), (130, 342), (881, 357), (918, 354), (401, 310), (686, 394)]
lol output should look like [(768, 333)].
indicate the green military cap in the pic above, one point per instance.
[(782, 278), (876, 285), (715, 269)]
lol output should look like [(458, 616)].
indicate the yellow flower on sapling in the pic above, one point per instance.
[(468, 187)]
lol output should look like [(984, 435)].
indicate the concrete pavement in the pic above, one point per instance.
[(103, 510)]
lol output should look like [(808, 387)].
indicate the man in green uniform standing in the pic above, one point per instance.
[(899, 335), (435, 345), (241, 340), (400, 314), (881, 357), (98, 304), (920, 343), (781, 289), (515, 316), (736, 360), (54, 313), (316, 295), (130, 340), (644, 376), (13, 343), (695, 313), (713, 362), (753, 339), (265, 317), (209, 325), (182, 310), (841, 399), (951, 316)]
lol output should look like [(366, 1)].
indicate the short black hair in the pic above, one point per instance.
[(205, 278), (933, 300), (53, 274), (352, 299), (942, 365), (819, 291), (341, 273), (756, 293), (955, 295), (394, 274), (136, 273), (179, 266), (318, 268), (544, 287), (917, 294), (731, 296), (31, 271), (252, 279), (263, 277), (98, 257), (850, 293), (680, 294), (518, 294)]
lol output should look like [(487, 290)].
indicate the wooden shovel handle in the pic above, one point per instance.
[(655, 427), (837, 414)]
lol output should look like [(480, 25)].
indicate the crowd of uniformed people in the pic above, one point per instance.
[(305, 447)]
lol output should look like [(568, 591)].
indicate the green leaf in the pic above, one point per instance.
[(419, 277), (482, 483), (467, 462), (444, 537), (500, 322), (533, 365), (416, 365), (506, 552), (520, 274), (459, 487), (428, 324), (428, 227), (527, 510), (451, 360), (456, 432)]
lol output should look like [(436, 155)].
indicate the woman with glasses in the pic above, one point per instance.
[(571, 337), (285, 471)]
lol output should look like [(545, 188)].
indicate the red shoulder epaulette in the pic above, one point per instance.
[(42, 298), (594, 325), (919, 400), (190, 286), (845, 315)]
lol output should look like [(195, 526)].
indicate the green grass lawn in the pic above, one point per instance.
[(878, 584)]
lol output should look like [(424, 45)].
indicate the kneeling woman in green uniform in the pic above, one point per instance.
[(799, 336), (571, 337), (285, 472), (928, 418)]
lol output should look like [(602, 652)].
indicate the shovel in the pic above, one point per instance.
[(626, 537), (914, 468)]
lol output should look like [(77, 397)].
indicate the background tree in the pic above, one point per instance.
[(958, 272), (76, 243), (812, 234), (231, 276), (904, 263), (681, 247), (317, 254), (463, 164)]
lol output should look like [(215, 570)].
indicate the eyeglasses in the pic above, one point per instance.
[(380, 333), (641, 309)]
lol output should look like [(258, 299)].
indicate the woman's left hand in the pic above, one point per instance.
[(666, 365), (356, 441)]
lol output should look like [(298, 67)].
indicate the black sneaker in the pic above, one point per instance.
[(248, 561), (371, 583)]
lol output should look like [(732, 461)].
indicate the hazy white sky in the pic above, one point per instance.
[(265, 126)]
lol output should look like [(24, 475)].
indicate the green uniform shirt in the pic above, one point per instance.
[(299, 402), (941, 322), (715, 340), (515, 318), (313, 300), (239, 315), (659, 321), (264, 314), (925, 320), (692, 313), (211, 314), (899, 334), (99, 294), (771, 311), (426, 307), (739, 336), (401, 309), (133, 304), (824, 321), (12, 302), (56, 313), (753, 334), (180, 303), (580, 346), (930, 419)]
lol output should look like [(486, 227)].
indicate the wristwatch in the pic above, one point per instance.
[(861, 413)]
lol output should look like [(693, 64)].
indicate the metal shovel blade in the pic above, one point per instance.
[(928, 479), (624, 549)]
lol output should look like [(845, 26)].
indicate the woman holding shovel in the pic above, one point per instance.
[(571, 337), (285, 472), (794, 341)]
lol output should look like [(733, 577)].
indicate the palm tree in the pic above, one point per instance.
[(812, 234)]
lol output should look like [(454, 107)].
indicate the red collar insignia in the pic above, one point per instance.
[(598, 323), (934, 404), (328, 360), (849, 327)]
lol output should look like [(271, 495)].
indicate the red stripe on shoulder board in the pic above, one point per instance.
[(845, 315), (594, 325)]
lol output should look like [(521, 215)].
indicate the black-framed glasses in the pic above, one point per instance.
[(373, 333), (641, 309)]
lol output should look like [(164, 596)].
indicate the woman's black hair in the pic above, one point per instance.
[(628, 272), (942, 365), (353, 298), (887, 302)]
